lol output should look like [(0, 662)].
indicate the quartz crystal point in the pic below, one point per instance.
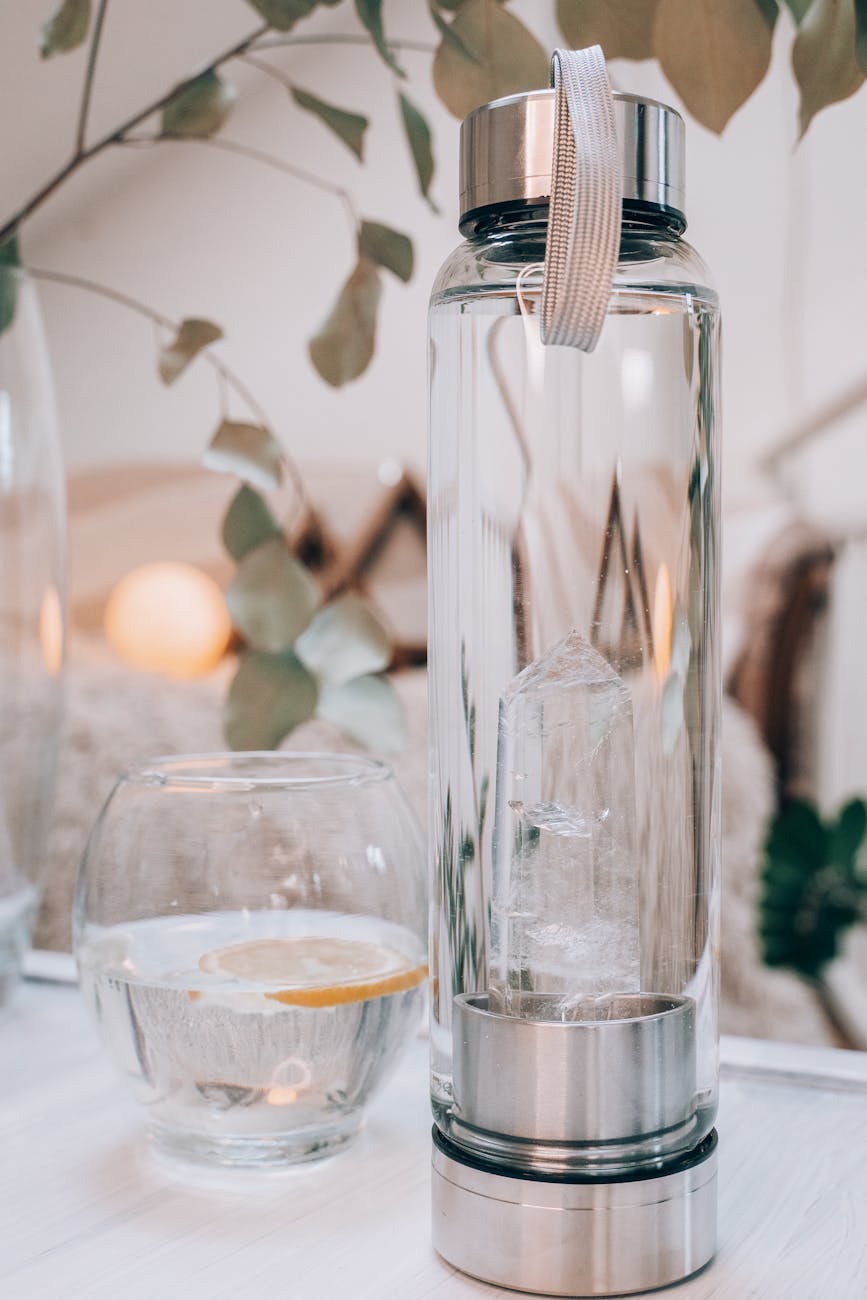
[(565, 887)]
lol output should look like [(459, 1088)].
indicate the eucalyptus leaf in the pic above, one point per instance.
[(248, 523), (248, 450), (10, 263), (672, 712), (446, 30), (624, 28), (342, 348), (66, 29), (369, 710), (349, 127), (824, 57), (269, 696), (198, 107), (370, 13), (272, 597), (192, 337), (861, 33), (503, 58), (284, 14), (681, 642), (387, 248), (344, 640), (714, 52), (418, 137)]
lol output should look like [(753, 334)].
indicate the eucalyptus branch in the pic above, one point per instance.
[(90, 72), (83, 155), (226, 376), (255, 155)]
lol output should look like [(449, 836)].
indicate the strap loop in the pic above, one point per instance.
[(586, 196)]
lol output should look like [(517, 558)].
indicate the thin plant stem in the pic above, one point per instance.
[(83, 155), (255, 155), (262, 65), (336, 38), (225, 374), (89, 75)]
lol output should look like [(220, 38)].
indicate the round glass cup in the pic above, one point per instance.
[(250, 931)]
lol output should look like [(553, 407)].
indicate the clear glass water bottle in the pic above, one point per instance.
[(574, 707)]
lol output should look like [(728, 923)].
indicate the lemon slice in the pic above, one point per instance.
[(315, 971)]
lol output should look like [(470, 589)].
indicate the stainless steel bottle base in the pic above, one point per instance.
[(567, 1238)]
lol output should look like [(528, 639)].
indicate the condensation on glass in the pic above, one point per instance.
[(574, 695)]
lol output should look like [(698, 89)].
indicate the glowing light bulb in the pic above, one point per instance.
[(51, 630), (168, 618)]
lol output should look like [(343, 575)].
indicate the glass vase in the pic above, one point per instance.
[(32, 613)]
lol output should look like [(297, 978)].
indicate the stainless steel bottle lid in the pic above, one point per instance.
[(507, 147)]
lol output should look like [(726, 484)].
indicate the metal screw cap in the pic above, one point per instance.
[(507, 147)]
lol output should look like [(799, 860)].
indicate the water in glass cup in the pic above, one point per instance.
[(254, 1037)]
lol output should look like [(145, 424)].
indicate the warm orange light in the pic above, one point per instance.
[(282, 1096), (168, 618), (663, 610), (51, 630)]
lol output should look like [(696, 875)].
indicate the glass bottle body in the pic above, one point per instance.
[(32, 532), (574, 683)]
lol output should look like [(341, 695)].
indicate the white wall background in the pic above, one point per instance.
[(195, 232)]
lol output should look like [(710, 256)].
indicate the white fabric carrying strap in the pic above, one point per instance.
[(586, 196)]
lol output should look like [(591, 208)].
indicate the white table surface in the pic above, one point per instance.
[(88, 1212)]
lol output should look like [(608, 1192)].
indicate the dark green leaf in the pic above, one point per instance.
[(810, 894), (192, 337), (370, 13), (272, 597), (344, 640), (248, 523), (418, 137), (342, 348), (369, 710), (9, 265), (770, 10), (861, 33), (66, 29), (502, 58), (269, 696), (848, 835), (824, 57), (387, 248), (198, 107), (798, 8), (714, 52), (798, 836), (248, 450), (624, 28), (349, 127)]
